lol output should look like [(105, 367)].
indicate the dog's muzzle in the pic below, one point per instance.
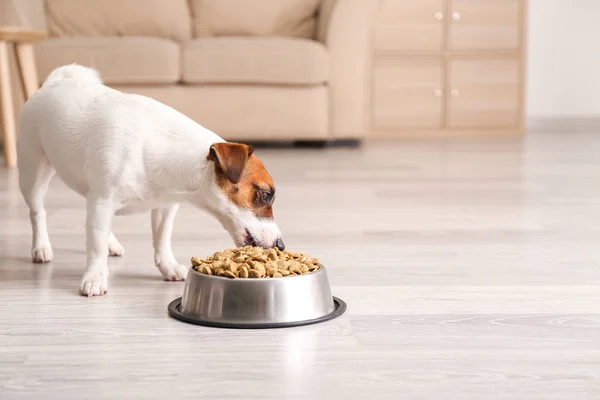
[(250, 241)]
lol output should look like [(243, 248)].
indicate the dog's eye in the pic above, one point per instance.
[(265, 197)]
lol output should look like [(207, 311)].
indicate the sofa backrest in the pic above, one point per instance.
[(181, 20), (169, 19), (296, 18)]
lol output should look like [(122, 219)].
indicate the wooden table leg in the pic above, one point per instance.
[(7, 115), (27, 70)]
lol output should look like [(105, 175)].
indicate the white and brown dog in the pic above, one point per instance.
[(126, 154)]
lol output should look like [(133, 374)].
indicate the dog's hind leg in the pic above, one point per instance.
[(35, 172), (115, 249)]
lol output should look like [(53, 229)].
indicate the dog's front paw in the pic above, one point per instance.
[(42, 254), (173, 272), (94, 283)]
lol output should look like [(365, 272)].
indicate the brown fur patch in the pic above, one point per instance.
[(246, 192), (231, 158)]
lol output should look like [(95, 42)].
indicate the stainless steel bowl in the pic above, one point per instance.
[(256, 303)]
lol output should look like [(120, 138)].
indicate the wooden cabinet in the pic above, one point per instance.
[(410, 93), (485, 25), (411, 26), (483, 93), (448, 67)]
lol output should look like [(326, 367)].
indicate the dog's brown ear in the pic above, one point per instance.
[(231, 158)]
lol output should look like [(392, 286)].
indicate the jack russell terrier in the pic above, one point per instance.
[(127, 154)]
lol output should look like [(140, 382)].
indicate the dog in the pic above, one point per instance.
[(125, 154)]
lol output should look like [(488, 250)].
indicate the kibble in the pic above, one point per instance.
[(255, 262)]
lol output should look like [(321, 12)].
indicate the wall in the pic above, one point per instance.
[(564, 58)]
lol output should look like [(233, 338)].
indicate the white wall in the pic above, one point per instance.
[(564, 58)]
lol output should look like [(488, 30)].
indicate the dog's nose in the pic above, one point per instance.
[(280, 244)]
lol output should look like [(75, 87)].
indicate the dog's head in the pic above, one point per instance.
[(242, 195)]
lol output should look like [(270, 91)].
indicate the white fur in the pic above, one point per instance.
[(126, 154)]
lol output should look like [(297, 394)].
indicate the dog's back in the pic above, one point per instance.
[(90, 132), (83, 129)]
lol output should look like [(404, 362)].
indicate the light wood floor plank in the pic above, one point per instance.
[(471, 271)]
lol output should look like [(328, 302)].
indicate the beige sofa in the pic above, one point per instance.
[(247, 69)]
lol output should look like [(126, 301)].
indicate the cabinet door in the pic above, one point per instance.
[(484, 93), (410, 26), (485, 24), (408, 94)]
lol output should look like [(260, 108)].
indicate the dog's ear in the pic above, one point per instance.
[(231, 158)]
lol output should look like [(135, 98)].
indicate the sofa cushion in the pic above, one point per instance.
[(119, 60), (168, 19), (247, 113), (256, 60), (296, 18)]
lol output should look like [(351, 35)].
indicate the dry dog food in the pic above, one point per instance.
[(255, 262)]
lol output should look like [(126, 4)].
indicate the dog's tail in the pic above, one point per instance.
[(73, 71)]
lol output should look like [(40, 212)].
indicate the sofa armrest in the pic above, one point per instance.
[(346, 28), (25, 14)]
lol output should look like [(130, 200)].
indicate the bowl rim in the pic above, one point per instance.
[(174, 310), (320, 270)]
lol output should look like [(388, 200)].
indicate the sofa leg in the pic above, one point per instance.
[(313, 144), (324, 144), (301, 144)]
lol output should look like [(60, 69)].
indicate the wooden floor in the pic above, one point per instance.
[(471, 271)]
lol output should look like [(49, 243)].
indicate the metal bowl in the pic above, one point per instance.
[(257, 303)]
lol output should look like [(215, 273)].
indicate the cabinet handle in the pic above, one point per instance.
[(456, 16), (454, 93), (439, 16), (437, 93)]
